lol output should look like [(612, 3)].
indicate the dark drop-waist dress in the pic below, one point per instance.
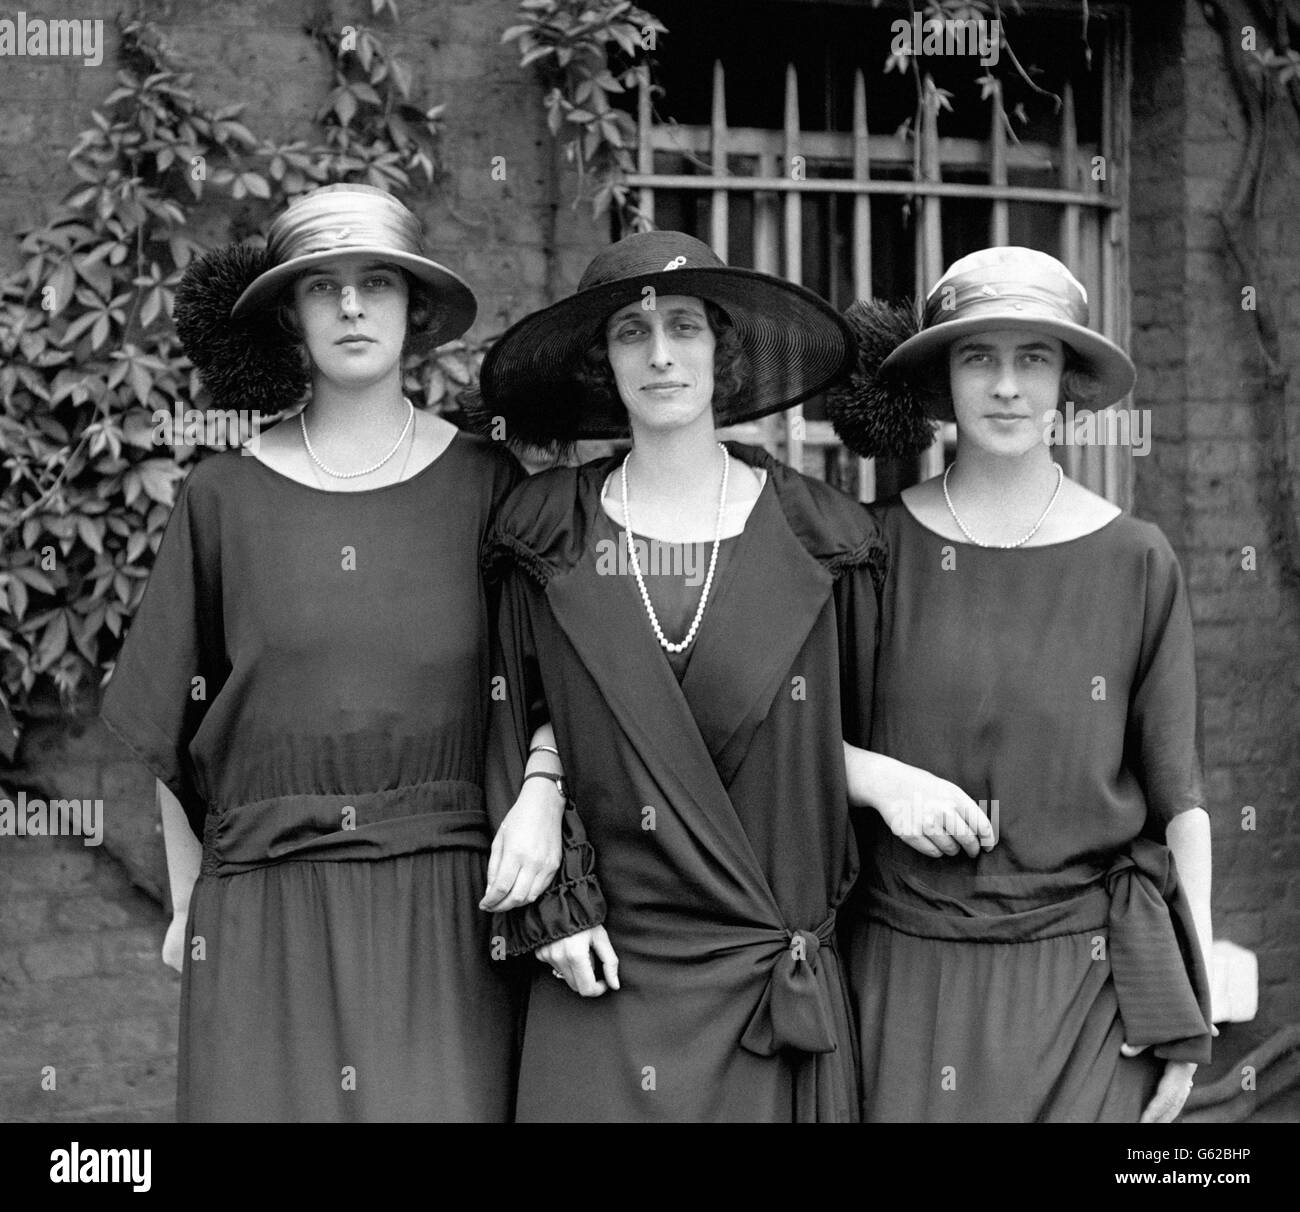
[(1056, 685), (308, 673)]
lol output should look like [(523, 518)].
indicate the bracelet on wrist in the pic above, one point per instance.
[(557, 779)]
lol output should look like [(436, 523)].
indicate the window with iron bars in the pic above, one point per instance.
[(781, 141)]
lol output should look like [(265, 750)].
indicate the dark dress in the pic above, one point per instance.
[(1056, 685), (308, 673), (716, 805)]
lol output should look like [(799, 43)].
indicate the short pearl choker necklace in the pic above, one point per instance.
[(365, 471), (713, 560), (1033, 530)]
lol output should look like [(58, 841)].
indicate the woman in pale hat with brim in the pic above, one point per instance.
[(680, 614), (307, 677), (1035, 651)]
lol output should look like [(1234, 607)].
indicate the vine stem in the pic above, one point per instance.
[(1242, 210)]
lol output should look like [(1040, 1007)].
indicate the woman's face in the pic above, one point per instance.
[(1005, 385), (352, 312), (663, 361)]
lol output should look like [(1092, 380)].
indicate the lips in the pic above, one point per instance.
[(355, 339), (663, 386)]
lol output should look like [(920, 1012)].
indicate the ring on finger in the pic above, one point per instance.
[(557, 972)]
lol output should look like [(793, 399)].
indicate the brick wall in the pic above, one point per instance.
[(1207, 482), (517, 241), (89, 1026), (81, 987), (81, 984)]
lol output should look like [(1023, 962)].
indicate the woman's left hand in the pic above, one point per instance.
[(1175, 1085), (526, 850)]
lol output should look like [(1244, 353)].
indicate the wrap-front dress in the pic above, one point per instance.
[(308, 673), (711, 813), (1054, 685)]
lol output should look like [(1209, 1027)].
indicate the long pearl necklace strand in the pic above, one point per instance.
[(365, 471), (713, 561), (1033, 530)]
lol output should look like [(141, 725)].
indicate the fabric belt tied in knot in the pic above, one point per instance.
[(794, 1011), (1159, 974)]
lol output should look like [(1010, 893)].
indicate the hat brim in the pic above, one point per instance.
[(1110, 366), (797, 346), (457, 306)]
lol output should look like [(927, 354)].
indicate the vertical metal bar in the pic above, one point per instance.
[(931, 238), (1000, 221), (767, 236), (718, 228), (645, 155), (1069, 180), (767, 259), (794, 423), (1103, 301), (861, 201), (862, 241), (1078, 465)]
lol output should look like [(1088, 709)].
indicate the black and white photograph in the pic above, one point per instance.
[(690, 561)]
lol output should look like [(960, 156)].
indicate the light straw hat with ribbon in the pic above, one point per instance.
[(223, 311), (887, 408), (795, 342), (341, 220), (1015, 288)]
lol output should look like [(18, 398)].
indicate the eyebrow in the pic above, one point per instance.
[(368, 268), (984, 347), (629, 314)]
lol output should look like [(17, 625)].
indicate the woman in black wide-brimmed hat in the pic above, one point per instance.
[(1036, 651), (696, 620), (307, 677)]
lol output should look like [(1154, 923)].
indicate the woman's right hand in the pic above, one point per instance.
[(570, 958), (173, 948), (930, 814)]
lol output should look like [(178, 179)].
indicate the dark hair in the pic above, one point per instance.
[(730, 364), (423, 312), (934, 384)]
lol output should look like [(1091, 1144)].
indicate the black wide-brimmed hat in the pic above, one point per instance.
[(795, 342)]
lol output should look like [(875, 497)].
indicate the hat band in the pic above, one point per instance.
[(959, 303), (340, 226)]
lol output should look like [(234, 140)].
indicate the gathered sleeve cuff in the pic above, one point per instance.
[(574, 901)]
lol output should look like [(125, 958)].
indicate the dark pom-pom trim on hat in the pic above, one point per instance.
[(874, 413), (244, 364), (551, 435)]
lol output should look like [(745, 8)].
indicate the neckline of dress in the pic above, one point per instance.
[(636, 534), (1078, 538), (362, 492)]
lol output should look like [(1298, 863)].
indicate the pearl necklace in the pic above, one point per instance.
[(1033, 530), (713, 561), (365, 471)]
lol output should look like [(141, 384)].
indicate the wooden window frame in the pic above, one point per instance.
[(1094, 229)]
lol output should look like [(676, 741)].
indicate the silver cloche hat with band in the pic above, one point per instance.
[(344, 220), (889, 405), (222, 301), (1014, 287)]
